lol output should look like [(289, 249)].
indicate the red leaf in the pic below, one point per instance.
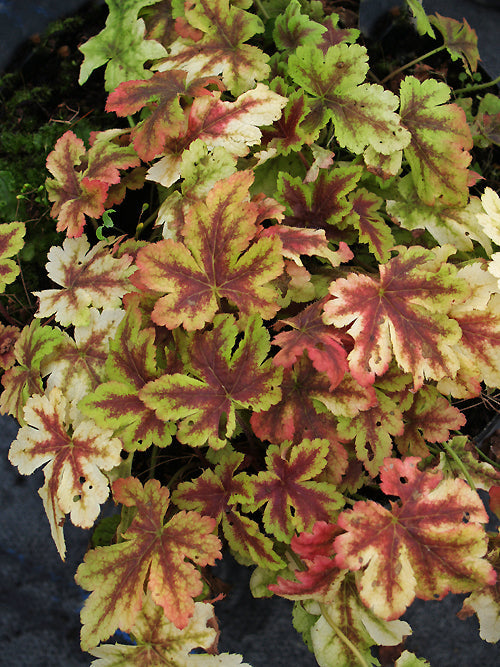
[(428, 544), (404, 312), (294, 501), (316, 550), (161, 94), (215, 261), (325, 345), (82, 179)]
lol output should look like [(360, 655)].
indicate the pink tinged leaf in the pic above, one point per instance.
[(88, 276), (324, 344), (224, 380), (82, 179), (73, 461), (296, 242), (289, 484), (222, 49), (161, 94), (460, 40), (232, 125), (316, 550), (372, 228), (76, 365), (430, 418), (160, 556), (495, 500), (11, 241), (34, 345), (8, 337), (440, 140), (403, 313), (215, 261), (428, 544)]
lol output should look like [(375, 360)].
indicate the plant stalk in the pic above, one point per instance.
[(413, 62), (478, 86), (260, 7), (460, 465), (342, 636)]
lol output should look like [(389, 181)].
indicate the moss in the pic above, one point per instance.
[(39, 101)]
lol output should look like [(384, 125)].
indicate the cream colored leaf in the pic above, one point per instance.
[(74, 457), (88, 276)]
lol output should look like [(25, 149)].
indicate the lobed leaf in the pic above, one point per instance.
[(121, 45), (155, 555), (73, 455), (221, 48), (225, 378), (34, 345), (213, 494), (293, 29), (11, 241), (325, 346), (403, 313), (428, 544), (161, 94), (76, 365), (440, 140), (89, 276), (215, 261), (82, 179), (460, 40), (362, 114), (293, 499)]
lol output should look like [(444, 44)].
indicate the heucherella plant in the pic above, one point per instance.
[(269, 363)]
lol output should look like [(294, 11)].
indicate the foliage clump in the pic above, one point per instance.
[(271, 361)]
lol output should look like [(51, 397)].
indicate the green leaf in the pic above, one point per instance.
[(440, 140), (362, 114), (121, 45), (423, 24), (33, 346), (11, 242), (293, 29)]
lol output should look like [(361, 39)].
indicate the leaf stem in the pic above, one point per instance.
[(413, 62), (178, 473), (450, 451), (262, 10), (487, 458), (154, 459), (341, 635), (478, 86)]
